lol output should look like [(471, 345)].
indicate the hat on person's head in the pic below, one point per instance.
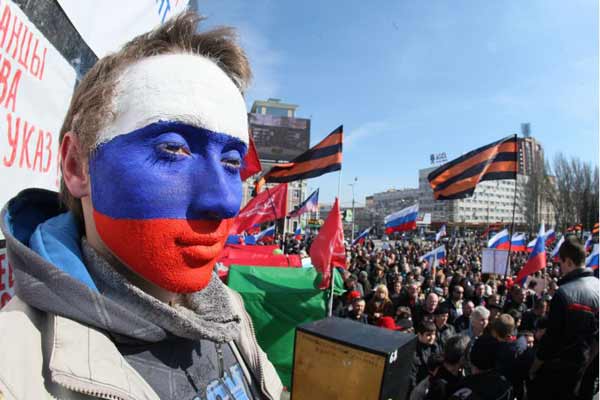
[(354, 294), (388, 323), (363, 274), (438, 290), (441, 309), (483, 352)]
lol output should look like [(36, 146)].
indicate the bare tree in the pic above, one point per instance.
[(575, 197)]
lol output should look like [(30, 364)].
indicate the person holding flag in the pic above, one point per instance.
[(566, 361)]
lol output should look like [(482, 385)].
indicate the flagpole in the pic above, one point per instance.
[(512, 229), (330, 306)]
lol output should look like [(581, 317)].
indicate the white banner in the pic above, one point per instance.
[(7, 281), (106, 25), (36, 84), (494, 261)]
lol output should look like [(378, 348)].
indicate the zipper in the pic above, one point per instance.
[(256, 354), (88, 389)]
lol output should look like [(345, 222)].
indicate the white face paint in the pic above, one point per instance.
[(180, 87)]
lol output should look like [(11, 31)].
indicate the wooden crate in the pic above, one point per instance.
[(337, 358)]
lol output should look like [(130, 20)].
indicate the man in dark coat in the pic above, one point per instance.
[(566, 362)]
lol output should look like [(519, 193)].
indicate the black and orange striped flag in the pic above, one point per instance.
[(323, 158), (595, 229), (457, 179)]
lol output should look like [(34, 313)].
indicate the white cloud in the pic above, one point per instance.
[(364, 131)]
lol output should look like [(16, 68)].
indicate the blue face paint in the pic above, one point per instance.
[(168, 170), (164, 198)]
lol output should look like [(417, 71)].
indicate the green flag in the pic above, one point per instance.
[(279, 299)]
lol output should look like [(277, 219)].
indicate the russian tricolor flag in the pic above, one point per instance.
[(531, 244), (589, 244), (518, 242), (435, 257), (550, 237), (554, 254), (592, 260), (267, 235), (500, 241), (441, 233), (403, 220), (537, 258), (311, 204), (363, 235), (298, 234)]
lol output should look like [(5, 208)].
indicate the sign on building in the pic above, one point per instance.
[(279, 138)]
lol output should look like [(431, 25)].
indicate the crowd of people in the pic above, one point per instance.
[(479, 335)]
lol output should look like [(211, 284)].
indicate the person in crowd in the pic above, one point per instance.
[(495, 310), (116, 294), (446, 379), (484, 383), (411, 297), (363, 280), (480, 298), (516, 301), (397, 293), (404, 319), (425, 312), (444, 330), (502, 329), (380, 305), (434, 363), (516, 316), (357, 312), (478, 322), (426, 347), (461, 324), (455, 303), (531, 317), (566, 363)]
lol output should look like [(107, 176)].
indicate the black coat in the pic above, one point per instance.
[(570, 343)]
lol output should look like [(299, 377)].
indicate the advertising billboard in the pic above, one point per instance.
[(279, 138)]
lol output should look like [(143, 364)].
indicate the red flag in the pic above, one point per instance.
[(251, 162), (268, 205), (327, 250)]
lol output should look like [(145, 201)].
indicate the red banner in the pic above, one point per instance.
[(7, 282), (268, 205), (328, 249)]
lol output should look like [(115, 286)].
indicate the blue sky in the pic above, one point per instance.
[(411, 78)]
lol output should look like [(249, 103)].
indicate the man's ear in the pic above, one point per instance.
[(73, 163)]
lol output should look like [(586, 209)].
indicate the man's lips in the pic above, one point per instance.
[(199, 248)]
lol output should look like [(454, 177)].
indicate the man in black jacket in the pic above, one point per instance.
[(566, 363)]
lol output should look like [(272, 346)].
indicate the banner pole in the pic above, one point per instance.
[(512, 229), (330, 306)]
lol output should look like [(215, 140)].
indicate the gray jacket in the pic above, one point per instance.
[(61, 333)]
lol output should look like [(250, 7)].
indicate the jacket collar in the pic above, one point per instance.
[(575, 274), (85, 360)]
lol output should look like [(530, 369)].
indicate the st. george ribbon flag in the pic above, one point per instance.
[(458, 178), (537, 259), (268, 205), (403, 220), (311, 204), (500, 241), (324, 157)]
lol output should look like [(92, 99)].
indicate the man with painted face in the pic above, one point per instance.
[(116, 295)]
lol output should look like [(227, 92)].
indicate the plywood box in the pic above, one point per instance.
[(337, 358)]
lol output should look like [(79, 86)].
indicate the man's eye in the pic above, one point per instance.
[(235, 163), (174, 148)]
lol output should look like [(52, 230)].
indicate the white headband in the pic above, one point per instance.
[(180, 87)]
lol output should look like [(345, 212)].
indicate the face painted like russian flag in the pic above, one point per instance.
[(165, 193)]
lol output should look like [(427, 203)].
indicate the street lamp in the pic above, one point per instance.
[(352, 184)]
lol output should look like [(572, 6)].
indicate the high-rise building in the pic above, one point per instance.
[(531, 155), (279, 137)]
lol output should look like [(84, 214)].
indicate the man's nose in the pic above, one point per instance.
[(217, 192)]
